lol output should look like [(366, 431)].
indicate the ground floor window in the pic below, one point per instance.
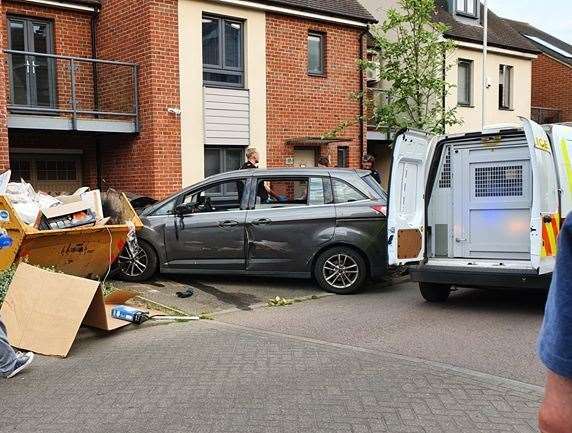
[(343, 156), (53, 174), (220, 159)]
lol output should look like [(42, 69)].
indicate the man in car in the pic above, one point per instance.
[(368, 163), (263, 191), (555, 343)]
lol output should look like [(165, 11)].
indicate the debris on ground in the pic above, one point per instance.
[(279, 302), (186, 294)]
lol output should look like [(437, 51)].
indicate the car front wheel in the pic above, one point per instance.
[(137, 264), (340, 270)]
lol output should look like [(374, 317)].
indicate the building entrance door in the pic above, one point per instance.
[(305, 157)]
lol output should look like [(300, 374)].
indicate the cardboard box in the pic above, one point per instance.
[(44, 310)]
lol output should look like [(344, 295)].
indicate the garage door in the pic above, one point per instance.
[(53, 174)]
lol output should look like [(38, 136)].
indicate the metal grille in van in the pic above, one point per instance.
[(445, 179), (499, 181)]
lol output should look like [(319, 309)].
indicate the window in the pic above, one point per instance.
[(505, 87), (316, 51), (345, 193), (343, 157), (445, 179), (56, 170), (465, 82), (284, 193), (503, 181), (467, 7), (223, 52), (223, 159), (210, 199)]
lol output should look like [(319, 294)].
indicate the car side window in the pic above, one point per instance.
[(345, 193), (272, 193), (166, 209), (221, 197)]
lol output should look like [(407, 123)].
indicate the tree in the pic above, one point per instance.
[(414, 61)]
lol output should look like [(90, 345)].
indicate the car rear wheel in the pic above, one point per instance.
[(137, 265), (340, 270), (433, 292)]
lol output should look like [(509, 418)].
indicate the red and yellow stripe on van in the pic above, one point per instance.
[(550, 231)]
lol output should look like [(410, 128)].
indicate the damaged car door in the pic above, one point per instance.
[(290, 220), (207, 229)]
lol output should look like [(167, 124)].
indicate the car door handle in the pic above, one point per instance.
[(261, 221), (229, 223)]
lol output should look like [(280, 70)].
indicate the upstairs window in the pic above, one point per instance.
[(465, 82), (223, 52), (316, 53), (467, 7), (505, 87)]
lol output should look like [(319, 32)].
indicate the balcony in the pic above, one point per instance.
[(544, 116), (63, 93)]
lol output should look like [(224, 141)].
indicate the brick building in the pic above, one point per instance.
[(152, 96), (551, 75)]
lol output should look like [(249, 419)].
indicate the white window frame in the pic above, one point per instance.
[(462, 7), (506, 86)]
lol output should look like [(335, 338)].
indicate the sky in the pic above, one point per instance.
[(551, 16)]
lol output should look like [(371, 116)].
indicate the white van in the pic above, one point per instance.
[(479, 209)]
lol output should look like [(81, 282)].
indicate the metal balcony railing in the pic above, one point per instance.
[(544, 116), (76, 88)]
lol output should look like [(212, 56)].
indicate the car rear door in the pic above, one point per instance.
[(406, 209), (283, 234), (545, 215)]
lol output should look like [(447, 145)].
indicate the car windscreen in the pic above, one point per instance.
[(372, 183)]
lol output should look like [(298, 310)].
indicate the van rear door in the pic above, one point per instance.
[(545, 215), (406, 206)]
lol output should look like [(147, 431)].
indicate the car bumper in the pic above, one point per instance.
[(486, 279)]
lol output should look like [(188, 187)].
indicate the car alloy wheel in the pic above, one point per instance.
[(133, 261), (340, 271)]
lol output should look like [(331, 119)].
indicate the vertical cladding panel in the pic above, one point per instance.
[(300, 105)]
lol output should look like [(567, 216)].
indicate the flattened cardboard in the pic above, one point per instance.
[(43, 310), (99, 312), (65, 209)]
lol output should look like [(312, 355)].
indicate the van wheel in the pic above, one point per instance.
[(139, 265), (433, 292), (340, 270)]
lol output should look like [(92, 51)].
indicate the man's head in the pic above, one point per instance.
[(323, 161), (368, 162), (252, 155)]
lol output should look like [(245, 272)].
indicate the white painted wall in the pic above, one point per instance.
[(191, 80), (522, 89)]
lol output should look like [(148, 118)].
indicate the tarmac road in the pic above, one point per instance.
[(485, 331)]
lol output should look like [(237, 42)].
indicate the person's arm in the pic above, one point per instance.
[(555, 344), (556, 411)]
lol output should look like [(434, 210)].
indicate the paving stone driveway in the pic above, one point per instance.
[(210, 377)]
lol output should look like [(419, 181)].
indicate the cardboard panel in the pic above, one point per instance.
[(43, 310), (409, 243)]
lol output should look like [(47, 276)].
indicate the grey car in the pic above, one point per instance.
[(328, 224)]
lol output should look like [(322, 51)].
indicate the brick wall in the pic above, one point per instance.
[(300, 105), (145, 33), (551, 86), (72, 37)]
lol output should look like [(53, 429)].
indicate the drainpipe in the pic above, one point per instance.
[(98, 162), (362, 41)]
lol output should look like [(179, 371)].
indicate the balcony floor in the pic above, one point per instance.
[(56, 123)]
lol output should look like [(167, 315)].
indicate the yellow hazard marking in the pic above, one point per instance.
[(542, 144), (550, 232), (567, 163)]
